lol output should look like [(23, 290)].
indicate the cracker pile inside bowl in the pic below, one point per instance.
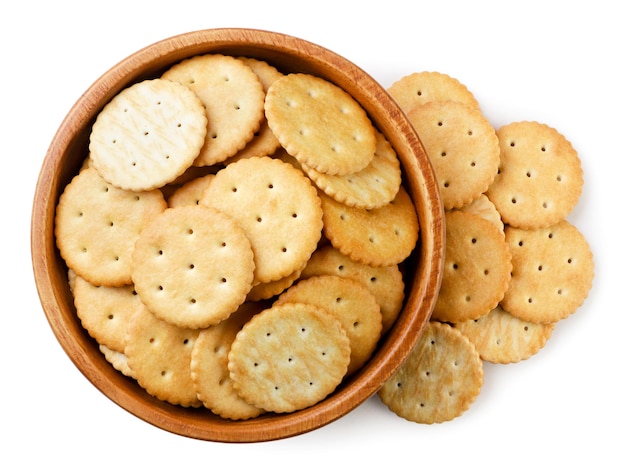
[(225, 224)]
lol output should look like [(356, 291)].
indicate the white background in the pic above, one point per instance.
[(556, 62)]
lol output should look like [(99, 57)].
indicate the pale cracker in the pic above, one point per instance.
[(191, 192), (540, 178), (278, 208), (159, 357), (233, 97), (501, 338), (96, 225), (483, 207), (192, 266), (209, 366), (381, 236), (373, 186), (104, 311), (267, 290), (289, 357), (384, 282), (421, 87), (351, 303), (320, 124), (117, 359), (553, 271), (148, 134), (439, 380), (477, 268), (462, 146)]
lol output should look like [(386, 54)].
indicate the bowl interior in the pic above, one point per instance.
[(69, 148)]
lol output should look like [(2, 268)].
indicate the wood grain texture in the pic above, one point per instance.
[(69, 148)]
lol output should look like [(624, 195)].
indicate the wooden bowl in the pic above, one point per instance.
[(289, 54)]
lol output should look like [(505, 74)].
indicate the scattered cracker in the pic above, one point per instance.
[(477, 268), (104, 311), (462, 146), (483, 207), (148, 134), (320, 124), (289, 357), (553, 271), (192, 266), (373, 186), (117, 359), (439, 380), (504, 339), (96, 225), (233, 97), (159, 357), (191, 192), (540, 177), (209, 366), (381, 236), (421, 87), (278, 208), (351, 303), (384, 282)]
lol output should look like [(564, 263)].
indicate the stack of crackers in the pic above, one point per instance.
[(514, 265), (235, 235)]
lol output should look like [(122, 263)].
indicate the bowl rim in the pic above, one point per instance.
[(53, 287)]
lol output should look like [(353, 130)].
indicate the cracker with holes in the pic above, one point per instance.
[(158, 355), (384, 282), (96, 225), (462, 146), (351, 303), (553, 270), (374, 186), (501, 338), (148, 135), (104, 311), (382, 236), (439, 380), (421, 87), (289, 357), (540, 177), (192, 266), (233, 97), (477, 268), (209, 366), (190, 193), (320, 124), (276, 206)]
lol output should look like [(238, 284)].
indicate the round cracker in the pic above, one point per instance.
[(439, 380), (96, 225), (192, 266), (477, 268), (540, 178), (351, 303), (209, 366), (553, 271), (421, 87), (276, 206), (384, 282), (159, 357), (320, 124), (104, 311), (483, 207), (148, 135), (383, 236), (191, 192), (372, 187), (289, 357), (233, 97), (501, 338), (462, 146)]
